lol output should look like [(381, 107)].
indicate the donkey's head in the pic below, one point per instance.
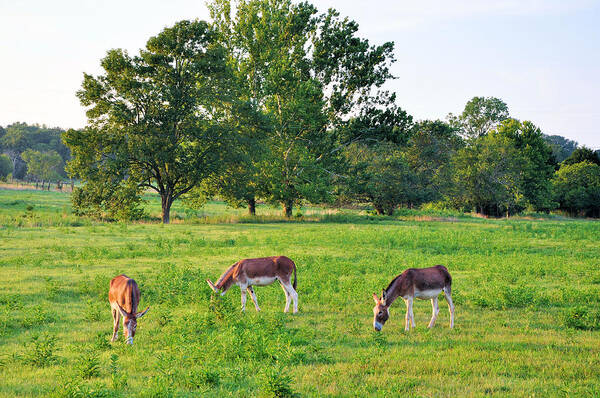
[(380, 311), (130, 323)]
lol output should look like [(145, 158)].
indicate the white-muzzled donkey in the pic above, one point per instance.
[(259, 272), (424, 284), (124, 298)]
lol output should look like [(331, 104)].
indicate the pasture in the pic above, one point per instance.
[(527, 296)]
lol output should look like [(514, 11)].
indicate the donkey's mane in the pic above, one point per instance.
[(226, 275), (392, 282)]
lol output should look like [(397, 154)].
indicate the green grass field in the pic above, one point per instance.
[(527, 296)]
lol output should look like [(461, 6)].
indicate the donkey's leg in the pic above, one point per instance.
[(407, 318), (436, 310), (450, 307), (287, 296), (294, 296), (253, 296), (412, 315), (243, 289), (116, 315)]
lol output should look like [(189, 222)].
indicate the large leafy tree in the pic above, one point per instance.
[(379, 174), (537, 165), (429, 152), (583, 154), (487, 176), (43, 166), (155, 120), (19, 137), (577, 188), (562, 147), (480, 116), (6, 166), (308, 74)]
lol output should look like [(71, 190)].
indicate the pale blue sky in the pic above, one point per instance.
[(541, 57)]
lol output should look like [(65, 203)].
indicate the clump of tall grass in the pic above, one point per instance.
[(117, 377), (582, 318), (276, 382), (87, 365), (40, 351), (36, 315)]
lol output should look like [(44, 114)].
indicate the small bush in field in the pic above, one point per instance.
[(582, 318), (36, 316), (118, 378), (204, 377), (40, 351), (52, 288), (101, 341), (221, 308), (276, 383), (73, 388), (88, 365), (94, 309)]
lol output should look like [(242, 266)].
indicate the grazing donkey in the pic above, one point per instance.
[(260, 272), (124, 297), (424, 283)]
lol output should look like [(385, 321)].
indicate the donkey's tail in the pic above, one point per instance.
[(295, 279)]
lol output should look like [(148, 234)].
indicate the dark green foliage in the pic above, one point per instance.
[(40, 351), (488, 176), (375, 125), (276, 382), (43, 166), (583, 318), (145, 129), (562, 147), (87, 365), (6, 166), (303, 94), (505, 171), (36, 316), (538, 165), (117, 200), (577, 188), (198, 378), (379, 175), (117, 377), (480, 116), (581, 155), (429, 151), (19, 137)]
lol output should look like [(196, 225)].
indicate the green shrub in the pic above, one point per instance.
[(87, 365), (40, 351), (196, 379), (118, 378), (582, 318), (274, 382), (36, 316)]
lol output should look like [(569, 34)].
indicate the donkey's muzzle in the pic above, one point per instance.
[(377, 326)]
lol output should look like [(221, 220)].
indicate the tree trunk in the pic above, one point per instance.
[(288, 209), (166, 201), (252, 207), (379, 210)]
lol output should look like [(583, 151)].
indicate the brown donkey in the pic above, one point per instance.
[(260, 272), (124, 297), (424, 284)]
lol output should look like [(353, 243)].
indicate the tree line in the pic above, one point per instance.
[(275, 101), (33, 153)]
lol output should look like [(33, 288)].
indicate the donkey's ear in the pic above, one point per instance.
[(141, 314), (212, 286), (375, 298), (122, 311), (383, 294)]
